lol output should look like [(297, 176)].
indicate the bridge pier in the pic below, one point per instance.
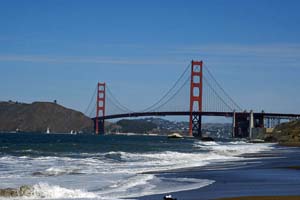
[(197, 125), (241, 125), (99, 126), (245, 123), (272, 122), (251, 124), (233, 125)]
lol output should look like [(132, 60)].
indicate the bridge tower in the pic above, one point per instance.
[(196, 98), (100, 108)]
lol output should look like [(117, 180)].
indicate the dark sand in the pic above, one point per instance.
[(290, 144), (265, 176), (264, 198)]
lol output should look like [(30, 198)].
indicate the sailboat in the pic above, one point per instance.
[(48, 131)]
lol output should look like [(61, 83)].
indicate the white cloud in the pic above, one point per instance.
[(77, 59), (232, 55)]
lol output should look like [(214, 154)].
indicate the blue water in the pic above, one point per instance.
[(108, 167), (53, 144)]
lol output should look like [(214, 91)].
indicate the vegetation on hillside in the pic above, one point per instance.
[(136, 126), (288, 132)]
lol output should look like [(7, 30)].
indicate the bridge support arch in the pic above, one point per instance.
[(100, 108), (196, 93)]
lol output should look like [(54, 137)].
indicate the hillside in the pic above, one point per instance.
[(288, 132), (136, 126), (39, 116)]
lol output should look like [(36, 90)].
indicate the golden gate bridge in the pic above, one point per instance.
[(196, 93)]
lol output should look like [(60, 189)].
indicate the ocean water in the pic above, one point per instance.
[(108, 167)]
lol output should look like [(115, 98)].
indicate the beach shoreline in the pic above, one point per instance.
[(264, 198), (265, 175)]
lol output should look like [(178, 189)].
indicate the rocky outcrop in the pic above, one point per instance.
[(39, 116), (287, 132), (23, 191)]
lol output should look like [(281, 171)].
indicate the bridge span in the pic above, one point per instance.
[(187, 113), (242, 122), (196, 93)]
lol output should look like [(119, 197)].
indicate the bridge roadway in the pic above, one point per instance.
[(187, 113)]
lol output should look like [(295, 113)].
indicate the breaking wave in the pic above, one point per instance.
[(116, 174)]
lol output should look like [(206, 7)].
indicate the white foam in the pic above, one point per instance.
[(147, 184), (233, 149), (46, 191), (117, 174)]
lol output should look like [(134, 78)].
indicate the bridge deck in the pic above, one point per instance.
[(186, 113)]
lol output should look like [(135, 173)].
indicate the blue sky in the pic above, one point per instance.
[(60, 49)]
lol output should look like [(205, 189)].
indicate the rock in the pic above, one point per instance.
[(24, 190), (175, 135), (9, 192)]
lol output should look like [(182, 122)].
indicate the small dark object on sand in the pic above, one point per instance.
[(169, 197)]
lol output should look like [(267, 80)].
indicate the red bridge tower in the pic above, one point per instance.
[(100, 108), (196, 93)]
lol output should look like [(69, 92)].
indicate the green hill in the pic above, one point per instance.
[(288, 132)]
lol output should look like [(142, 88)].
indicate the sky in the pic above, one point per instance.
[(59, 49)]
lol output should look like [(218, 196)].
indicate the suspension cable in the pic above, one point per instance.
[(214, 91), (170, 98), (169, 91), (91, 101), (117, 102), (117, 106), (92, 111), (219, 85)]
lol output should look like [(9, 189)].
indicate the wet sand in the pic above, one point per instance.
[(264, 198), (272, 175)]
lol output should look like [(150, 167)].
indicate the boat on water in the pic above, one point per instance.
[(175, 135), (48, 131)]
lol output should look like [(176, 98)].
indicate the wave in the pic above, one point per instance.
[(119, 174), (133, 163), (57, 171), (147, 184), (135, 186), (46, 191), (233, 149)]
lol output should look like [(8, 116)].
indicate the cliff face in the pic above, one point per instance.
[(288, 132), (39, 116)]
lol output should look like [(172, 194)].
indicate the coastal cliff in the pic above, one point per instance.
[(287, 132), (39, 116)]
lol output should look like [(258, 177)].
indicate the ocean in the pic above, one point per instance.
[(61, 166)]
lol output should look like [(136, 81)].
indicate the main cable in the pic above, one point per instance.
[(169, 91), (168, 100), (118, 104)]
